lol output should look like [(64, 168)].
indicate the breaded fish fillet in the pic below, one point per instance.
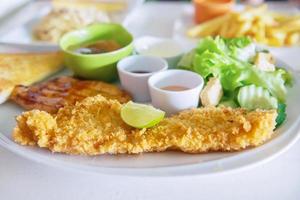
[(59, 92), (94, 126)]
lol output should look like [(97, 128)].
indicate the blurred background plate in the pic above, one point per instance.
[(16, 26)]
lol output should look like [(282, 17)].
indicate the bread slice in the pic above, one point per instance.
[(25, 69)]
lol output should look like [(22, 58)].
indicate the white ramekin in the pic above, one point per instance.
[(143, 44), (137, 83), (174, 101)]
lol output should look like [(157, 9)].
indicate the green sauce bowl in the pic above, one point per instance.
[(100, 66)]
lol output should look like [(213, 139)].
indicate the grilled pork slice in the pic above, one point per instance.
[(59, 92)]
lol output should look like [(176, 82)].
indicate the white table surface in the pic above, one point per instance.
[(24, 179), (8, 5)]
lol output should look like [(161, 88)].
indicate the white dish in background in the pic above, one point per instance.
[(165, 48), (7, 6), (17, 27)]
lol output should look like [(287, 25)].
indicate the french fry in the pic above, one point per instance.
[(207, 28), (224, 28), (250, 13), (293, 38), (277, 38), (290, 26), (244, 28), (264, 27)]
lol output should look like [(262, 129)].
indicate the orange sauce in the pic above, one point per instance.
[(175, 88), (209, 9)]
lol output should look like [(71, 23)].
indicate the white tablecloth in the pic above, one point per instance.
[(24, 179)]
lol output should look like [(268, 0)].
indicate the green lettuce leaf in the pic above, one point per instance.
[(253, 97), (281, 117), (228, 60)]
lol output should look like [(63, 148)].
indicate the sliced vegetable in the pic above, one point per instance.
[(281, 117), (187, 59), (141, 115), (253, 97), (229, 103)]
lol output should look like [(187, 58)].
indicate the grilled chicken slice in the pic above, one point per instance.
[(52, 95)]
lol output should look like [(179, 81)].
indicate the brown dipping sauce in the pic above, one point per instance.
[(103, 46), (140, 72), (175, 88)]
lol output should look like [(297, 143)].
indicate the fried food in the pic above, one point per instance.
[(59, 92), (256, 22), (25, 69), (62, 20), (94, 126), (111, 6)]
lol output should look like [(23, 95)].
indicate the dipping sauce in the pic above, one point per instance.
[(140, 72), (102, 46), (209, 9), (175, 88)]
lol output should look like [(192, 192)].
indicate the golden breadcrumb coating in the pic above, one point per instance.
[(94, 126)]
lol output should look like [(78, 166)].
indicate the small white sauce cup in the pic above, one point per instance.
[(168, 49), (174, 101), (137, 83)]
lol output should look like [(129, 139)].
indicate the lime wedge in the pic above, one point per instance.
[(141, 115)]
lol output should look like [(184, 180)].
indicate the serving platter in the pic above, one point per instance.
[(160, 164), (165, 163)]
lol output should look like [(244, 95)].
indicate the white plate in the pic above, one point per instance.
[(160, 164), (17, 28), (167, 163)]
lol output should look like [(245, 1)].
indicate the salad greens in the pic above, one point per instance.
[(252, 97), (243, 83), (281, 114)]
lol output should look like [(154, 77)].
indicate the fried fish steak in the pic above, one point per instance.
[(94, 126), (59, 92), (25, 69)]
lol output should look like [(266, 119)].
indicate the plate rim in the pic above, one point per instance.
[(164, 171)]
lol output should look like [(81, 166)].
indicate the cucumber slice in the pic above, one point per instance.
[(252, 97), (228, 103)]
